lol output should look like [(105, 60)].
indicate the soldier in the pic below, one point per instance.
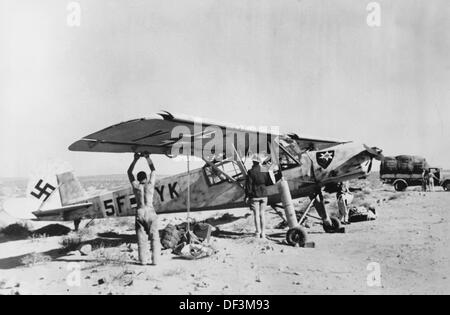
[(344, 198), (431, 178), (146, 218), (256, 194), (424, 180)]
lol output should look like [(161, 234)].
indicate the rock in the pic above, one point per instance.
[(101, 281), (9, 284), (86, 249)]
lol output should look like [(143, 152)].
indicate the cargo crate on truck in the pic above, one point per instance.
[(407, 170)]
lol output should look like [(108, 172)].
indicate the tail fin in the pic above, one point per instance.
[(48, 189), (70, 189)]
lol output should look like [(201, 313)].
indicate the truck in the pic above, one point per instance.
[(403, 171), (444, 179)]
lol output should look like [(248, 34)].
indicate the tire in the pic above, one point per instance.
[(170, 237), (335, 226), (400, 185), (296, 235), (446, 186)]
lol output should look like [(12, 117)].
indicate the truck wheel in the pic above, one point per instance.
[(296, 235), (446, 186), (400, 185), (335, 225)]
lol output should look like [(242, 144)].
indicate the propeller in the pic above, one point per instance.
[(376, 152), (166, 115)]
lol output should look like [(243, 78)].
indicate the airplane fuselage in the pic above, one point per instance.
[(211, 191)]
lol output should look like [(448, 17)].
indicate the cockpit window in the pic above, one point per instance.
[(230, 168), (289, 153), (286, 161)]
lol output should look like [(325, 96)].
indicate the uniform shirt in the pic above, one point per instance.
[(256, 182), (342, 189), (144, 193)]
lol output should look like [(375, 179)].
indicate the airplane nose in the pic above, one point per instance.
[(375, 152)]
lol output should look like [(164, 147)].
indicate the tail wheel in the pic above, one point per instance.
[(296, 235), (334, 227), (400, 185)]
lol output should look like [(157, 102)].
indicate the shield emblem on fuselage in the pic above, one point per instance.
[(324, 158)]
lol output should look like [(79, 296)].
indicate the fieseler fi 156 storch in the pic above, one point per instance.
[(306, 164)]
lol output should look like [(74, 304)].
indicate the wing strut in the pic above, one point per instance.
[(287, 153), (188, 196), (239, 160), (231, 179)]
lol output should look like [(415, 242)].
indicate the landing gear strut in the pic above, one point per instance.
[(296, 233), (76, 223), (330, 224)]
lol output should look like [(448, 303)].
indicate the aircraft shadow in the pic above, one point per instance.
[(225, 219), (104, 240), (17, 261), (17, 233), (229, 234), (5, 239)]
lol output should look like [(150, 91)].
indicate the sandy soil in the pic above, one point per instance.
[(409, 241)]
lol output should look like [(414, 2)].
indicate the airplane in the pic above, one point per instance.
[(308, 165)]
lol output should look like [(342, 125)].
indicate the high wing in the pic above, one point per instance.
[(167, 134)]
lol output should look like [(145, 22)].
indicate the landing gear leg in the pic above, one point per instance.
[(330, 224), (275, 208), (76, 223), (296, 234)]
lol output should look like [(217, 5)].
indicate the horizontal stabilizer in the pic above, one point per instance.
[(59, 213)]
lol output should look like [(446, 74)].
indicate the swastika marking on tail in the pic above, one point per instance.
[(40, 190)]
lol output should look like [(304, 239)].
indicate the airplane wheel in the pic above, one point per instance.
[(335, 225), (296, 235)]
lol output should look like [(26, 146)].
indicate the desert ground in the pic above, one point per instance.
[(409, 241)]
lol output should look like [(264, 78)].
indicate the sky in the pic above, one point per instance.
[(312, 67)]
